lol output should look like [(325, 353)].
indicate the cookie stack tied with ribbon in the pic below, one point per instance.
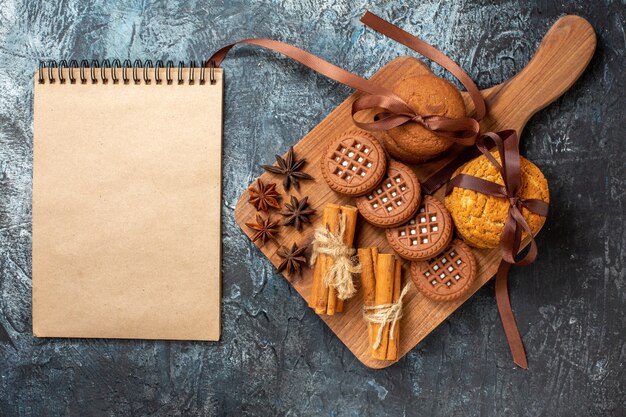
[(427, 94), (424, 115), (485, 194), (380, 109), (500, 199)]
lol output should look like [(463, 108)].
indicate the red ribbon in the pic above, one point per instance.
[(506, 143)]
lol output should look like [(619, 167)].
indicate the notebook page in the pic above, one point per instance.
[(126, 209)]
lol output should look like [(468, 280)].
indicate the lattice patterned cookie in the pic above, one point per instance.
[(354, 163), (426, 234), (449, 275), (395, 200)]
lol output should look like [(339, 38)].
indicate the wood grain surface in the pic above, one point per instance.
[(561, 58)]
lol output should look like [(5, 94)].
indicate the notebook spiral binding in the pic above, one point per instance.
[(138, 70)]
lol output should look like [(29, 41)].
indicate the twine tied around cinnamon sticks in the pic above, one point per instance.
[(383, 297), (384, 314), (339, 276)]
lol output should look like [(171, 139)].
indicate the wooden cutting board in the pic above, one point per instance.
[(561, 58)]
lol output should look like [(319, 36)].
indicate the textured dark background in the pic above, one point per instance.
[(276, 357)]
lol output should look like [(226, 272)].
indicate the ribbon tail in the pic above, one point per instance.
[(506, 316)]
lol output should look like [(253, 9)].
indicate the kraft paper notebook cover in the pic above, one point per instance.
[(126, 202)]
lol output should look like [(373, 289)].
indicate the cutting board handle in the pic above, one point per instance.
[(561, 58)]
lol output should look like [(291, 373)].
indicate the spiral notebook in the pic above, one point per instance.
[(126, 201)]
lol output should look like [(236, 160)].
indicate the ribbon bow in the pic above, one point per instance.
[(396, 112), (509, 168), (390, 110)]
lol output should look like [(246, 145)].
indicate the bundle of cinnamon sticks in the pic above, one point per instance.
[(324, 298), (381, 280)]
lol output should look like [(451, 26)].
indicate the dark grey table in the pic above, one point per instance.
[(276, 357)]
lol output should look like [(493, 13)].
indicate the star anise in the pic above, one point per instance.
[(293, 259), (264, 196), (297, 213), (265, 229), (290, 168)]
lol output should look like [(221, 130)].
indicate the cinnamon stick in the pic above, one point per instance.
[(392, 349), (375, 257), (332, 213), (368, 277), (368, 282), (319, 270), (385, 274), (351, 214)]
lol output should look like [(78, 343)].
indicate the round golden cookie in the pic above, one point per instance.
[(448, 276), (425, 235), (480, 218), (354, 163), (395, 200), (429, 95)]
